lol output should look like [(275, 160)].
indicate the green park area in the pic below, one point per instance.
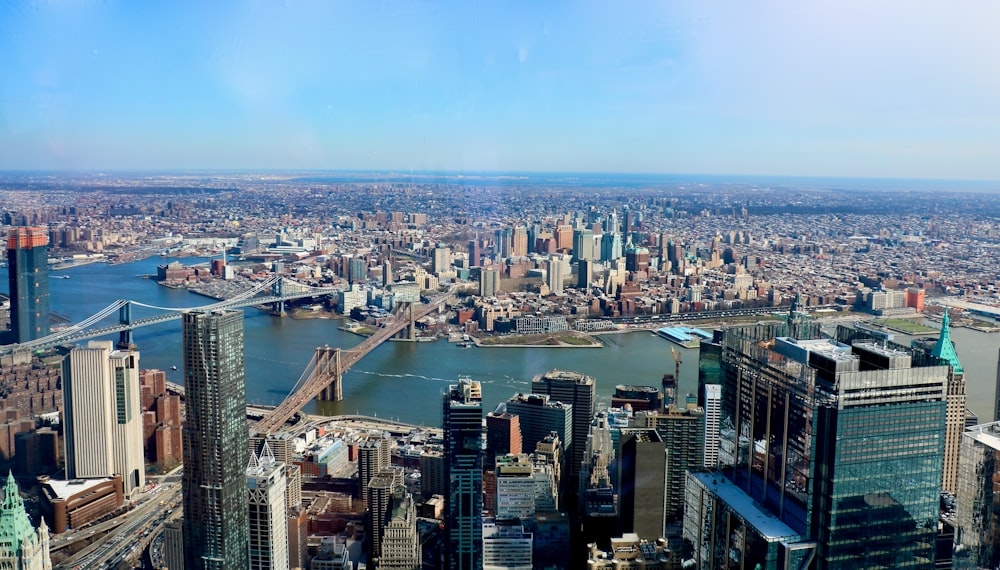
[(907, 326)]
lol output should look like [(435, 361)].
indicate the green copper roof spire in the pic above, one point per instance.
[(944, 349), (15, 526)]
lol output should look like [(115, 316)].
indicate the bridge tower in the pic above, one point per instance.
[(125, 318), (278, 290), (328, 364)]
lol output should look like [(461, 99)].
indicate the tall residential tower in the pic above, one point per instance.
[(28, 270), (463, 447), (216, 449)]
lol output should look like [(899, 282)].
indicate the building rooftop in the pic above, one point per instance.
[(64, 489), (768, 525)]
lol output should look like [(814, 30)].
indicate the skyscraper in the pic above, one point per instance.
[(266, 507), (101, 396), (28, 270), (373, 457), (21, 546), (216, 533), (463, 437), (644, 483), (977, 512), (839, 440), (576, 390), (955, 423), (713, 404), (400, 539), (540, 415)]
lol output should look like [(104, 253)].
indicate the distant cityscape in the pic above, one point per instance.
[(832, 426)]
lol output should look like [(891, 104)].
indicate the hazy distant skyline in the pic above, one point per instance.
[(894, 88)]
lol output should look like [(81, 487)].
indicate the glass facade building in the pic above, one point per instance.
[(28, 274), (216, 436), (842, 441), (463, 441)]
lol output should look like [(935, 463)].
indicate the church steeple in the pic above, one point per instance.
[(944, 349)]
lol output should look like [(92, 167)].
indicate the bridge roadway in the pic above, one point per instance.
[(328, 366), (84, 334)]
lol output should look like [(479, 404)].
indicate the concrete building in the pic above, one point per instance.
[(28, 279), (682, 431), (539, 416), (101, 396), (373, 457), (576, 390), (503, 435), (713, 406), (400, 539), (506, 545), (644, 481)]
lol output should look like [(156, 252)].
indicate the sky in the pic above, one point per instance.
[(894, 88)]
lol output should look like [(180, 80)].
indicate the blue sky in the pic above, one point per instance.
[(895, 88)]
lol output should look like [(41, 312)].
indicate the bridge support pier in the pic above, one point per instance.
[(330, 363), (125, 337), (412, 327), (278, 307)]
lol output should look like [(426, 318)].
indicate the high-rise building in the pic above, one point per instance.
[(266, 507), (463, 437), (821, 434), (977, 509), (682, 433), (381, 488), (555, 274), (541, 415), (373, 457), (101, 396), (515, 488), (475, 253), (583, 245), (489, 281), (955, 422), (611, 246), (28, 271), (576, 390), (442, 260), (519, 246), (400, 539), (584, 273), (216, 452), (503, 434), (643, 483), (21, 546), (713, 406), (506, 545)]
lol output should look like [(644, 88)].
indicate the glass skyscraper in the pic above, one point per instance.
[(28, 270), (842, 442), (463, 440), (216, 451)]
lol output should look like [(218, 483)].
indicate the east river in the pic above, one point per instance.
[(404, 380)]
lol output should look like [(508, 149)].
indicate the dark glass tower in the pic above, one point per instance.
[(28, 269), (463, 440), (216, 531)]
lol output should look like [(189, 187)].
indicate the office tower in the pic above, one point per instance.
[(103, 423), (977, 510), (502, 245), (400, 539), (713, 406), (380, 492), (23, 548), (564, 237), (955, 423), (515, 488), (475, 253), (463, 436), (822, 434), (519, 246), (709, 364), (373, 457), (576, 390), (583, 245), (584, 274), (489, 282), (611, 246), (216, 533), (28, 274), (442, 260), (266, 507), (636, 259), (173, 544), (503, 434), (541, 415), (682, 433), (386, 273), (550, 452), (643, 483), (506, 545)]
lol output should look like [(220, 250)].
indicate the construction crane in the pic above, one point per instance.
[(677, 363)]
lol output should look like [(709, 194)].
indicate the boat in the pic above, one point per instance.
[(464, 344), (61, 276), (174, 367)]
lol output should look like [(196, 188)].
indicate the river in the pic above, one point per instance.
[(405, 380)]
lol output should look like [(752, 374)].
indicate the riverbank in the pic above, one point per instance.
[(550, 340)]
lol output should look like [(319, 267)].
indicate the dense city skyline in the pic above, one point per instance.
[(851, 89)]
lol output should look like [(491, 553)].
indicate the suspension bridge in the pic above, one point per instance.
[(323, 376), (274, 291)]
